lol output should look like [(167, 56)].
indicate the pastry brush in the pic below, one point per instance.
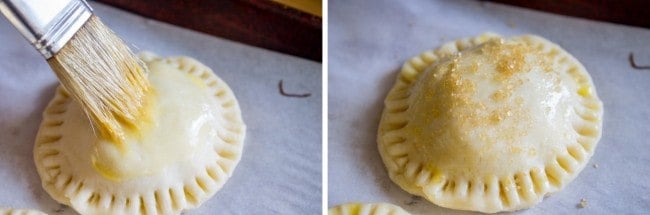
[(91, 62)]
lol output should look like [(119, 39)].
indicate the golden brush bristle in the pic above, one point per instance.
[(102, 74)]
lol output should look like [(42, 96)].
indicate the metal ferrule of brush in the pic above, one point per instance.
[(47, 24)]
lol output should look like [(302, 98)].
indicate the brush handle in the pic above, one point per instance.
[(47, 24)]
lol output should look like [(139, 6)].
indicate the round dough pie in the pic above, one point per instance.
[(490, 124), (367, 209), (11, 211), (181, 154)]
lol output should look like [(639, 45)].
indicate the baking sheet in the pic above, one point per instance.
[(280, 170), (369, 40)]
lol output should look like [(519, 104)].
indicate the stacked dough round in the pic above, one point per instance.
[(367, 209), (179, 156), (490, 124), (12, 211)]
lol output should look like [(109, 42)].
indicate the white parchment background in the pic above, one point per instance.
[(280, 170), (370, 39)]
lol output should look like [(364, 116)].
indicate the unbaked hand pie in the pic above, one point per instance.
[(181, 154), (490, 124), (367, 209), (12, 211)]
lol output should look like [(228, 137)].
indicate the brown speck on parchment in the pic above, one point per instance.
[(281, 88)]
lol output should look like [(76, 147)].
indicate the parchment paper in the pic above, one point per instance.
[(369, 40), (280, 170)]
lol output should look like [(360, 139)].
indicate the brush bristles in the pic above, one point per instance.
[(102, 74)]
